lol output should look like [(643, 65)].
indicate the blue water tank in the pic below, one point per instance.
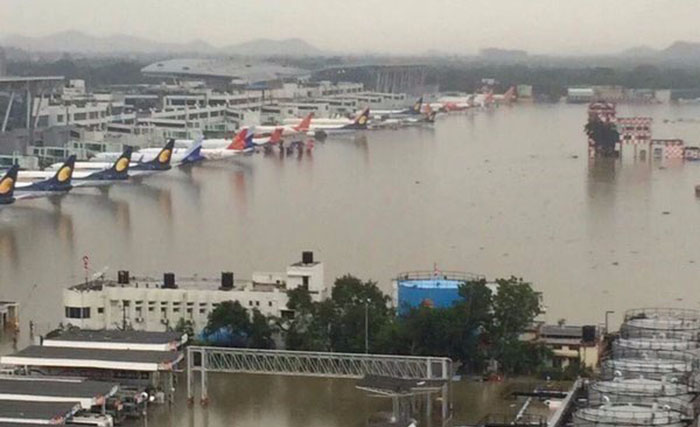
[(439, 293)]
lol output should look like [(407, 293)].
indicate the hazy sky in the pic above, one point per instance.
[(400, 26)]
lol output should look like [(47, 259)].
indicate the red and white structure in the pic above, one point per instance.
[(667, 148)]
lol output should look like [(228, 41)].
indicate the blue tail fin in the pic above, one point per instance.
[(361, 120), (7, 186), (249, 139), (60, 182), (417, 106), (118, 171), (194, 154), (162, 160)]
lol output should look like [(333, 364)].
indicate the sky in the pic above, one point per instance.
[(568, 27)]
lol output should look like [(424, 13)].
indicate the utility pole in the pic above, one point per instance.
[(606, 320), (367, 326)]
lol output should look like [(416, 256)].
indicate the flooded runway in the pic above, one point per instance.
[(509, 192), (499, 193)]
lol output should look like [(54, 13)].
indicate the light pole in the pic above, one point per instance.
[(608, 312), (367, 326)]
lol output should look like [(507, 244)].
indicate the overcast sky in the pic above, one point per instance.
[(399, 26)]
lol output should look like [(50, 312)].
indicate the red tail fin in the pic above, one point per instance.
[(303, 125), (238, 142), (276, 136)]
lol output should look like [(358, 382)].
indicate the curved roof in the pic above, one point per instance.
[(245, 71)]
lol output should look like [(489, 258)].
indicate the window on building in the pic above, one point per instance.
[(78, 312), (269, 303), (100, 310), (305, 282)]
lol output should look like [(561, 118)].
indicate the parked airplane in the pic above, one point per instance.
[(301, 127), (7, 186), (321, 128), (274, 138), (117, 172), (415, 110), (159, 164), (242, 143), (180, 156), (60, 183)]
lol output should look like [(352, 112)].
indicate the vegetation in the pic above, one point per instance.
[(603, 134), (480, 329)]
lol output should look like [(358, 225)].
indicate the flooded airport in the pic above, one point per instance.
[(499, 193)]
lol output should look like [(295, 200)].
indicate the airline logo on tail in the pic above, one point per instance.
[(304, 125), (7, 185), (362, 119), (418, 105), (121, 166), (238, 142), (194, 154), (65, 174)]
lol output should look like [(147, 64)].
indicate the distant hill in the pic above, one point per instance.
[(79, 42), (287, 47), (678, 53)]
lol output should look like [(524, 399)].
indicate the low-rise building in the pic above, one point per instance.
[(148, 304), (571, 344)]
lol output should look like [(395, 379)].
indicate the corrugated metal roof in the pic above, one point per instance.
[(68, 353), (250, 72), (55, 388), (116, 336)]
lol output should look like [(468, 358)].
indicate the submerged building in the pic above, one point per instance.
[(150, 304)]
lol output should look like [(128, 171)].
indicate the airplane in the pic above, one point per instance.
[(290, 129), (273, 139), (242, 143), (507, 96), (117, 172), (59, 183), (180, 156), (160, 163), (327, 128), (7, 186), (414, 110)]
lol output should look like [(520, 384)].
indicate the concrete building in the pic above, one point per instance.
[(9, 315), (570, 344), (148, 304)]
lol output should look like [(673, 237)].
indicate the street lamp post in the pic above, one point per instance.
[(366, 326), (607, 313)]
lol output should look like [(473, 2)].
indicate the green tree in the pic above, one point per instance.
[(260, 331), (355, 302), (603, 134), (185, 327)]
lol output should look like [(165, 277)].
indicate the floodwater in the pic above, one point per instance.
[(507, 192)]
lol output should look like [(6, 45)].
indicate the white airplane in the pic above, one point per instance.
[(242, 143), (415, 110), (319, 127), (59, 183), (160, 163), (274, 138), (180, 156), (288, 129), (117, 172)]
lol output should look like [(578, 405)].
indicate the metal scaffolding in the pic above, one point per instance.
[(315, 364)]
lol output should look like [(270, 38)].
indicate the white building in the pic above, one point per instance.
[(154, 305)]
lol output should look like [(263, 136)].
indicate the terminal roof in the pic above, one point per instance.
[(19, 385), (94, 358), (20, 410), (116, 336)]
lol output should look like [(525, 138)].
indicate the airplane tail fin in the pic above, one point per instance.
[(509, 95), (417, 106), (303, 126), (249, 139), (276, 136), (62, 179), (238, 142), (194, 153), (162, 161), (121, 167), (361, 120), (7, 185)]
